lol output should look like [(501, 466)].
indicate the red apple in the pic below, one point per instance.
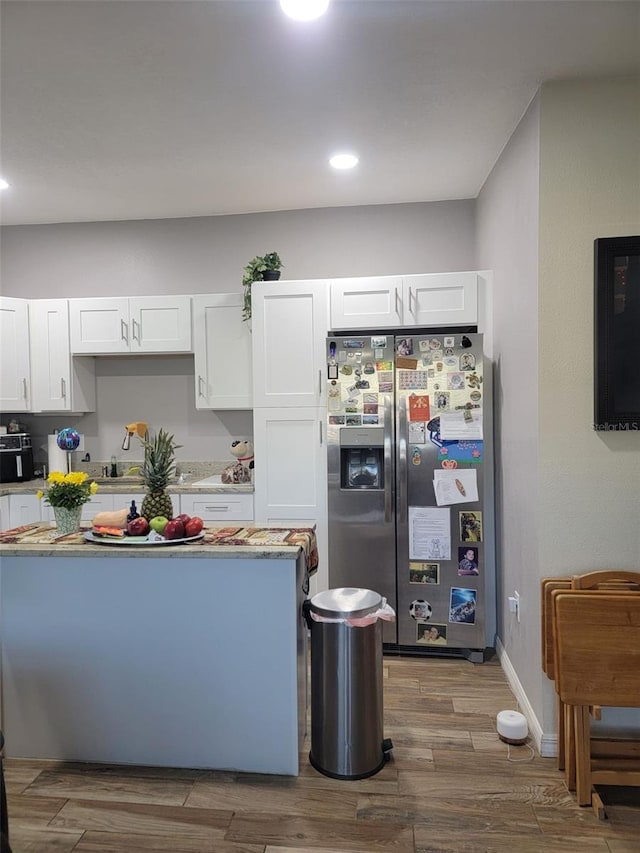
[(174, 529), (138, 527), (183, 517), (193, 526)]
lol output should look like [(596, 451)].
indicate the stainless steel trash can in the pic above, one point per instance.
[(346, 684)]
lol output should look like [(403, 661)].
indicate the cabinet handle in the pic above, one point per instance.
[(200, 384), (320, 383), (217, 508), (133, 330), (24, 388), (321, 439), (124, 331), (398, 304), (410, 298), (63, 388)]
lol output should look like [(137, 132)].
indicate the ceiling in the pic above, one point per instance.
[(119, 109)]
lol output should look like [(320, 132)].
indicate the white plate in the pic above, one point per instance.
[(137, 540)]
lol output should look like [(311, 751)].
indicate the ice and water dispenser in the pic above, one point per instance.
[(361, 458)]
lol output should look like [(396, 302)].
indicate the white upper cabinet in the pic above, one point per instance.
[(15, 387), (144, 324), (289, 321), (60, 383), (438, 299), (366, 303), (222, 349)]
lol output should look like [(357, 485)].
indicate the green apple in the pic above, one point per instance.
[(158, 523)]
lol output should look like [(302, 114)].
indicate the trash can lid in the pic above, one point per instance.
[(346, 601)]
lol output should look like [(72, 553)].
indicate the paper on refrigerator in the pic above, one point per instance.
[(429, 533), (455, 486), (461, 425)]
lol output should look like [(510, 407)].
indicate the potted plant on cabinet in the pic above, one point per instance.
[(261, 268)]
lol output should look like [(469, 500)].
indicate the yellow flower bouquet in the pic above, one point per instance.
[(68, 490)]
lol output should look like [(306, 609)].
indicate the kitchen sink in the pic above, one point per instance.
[(214, 480)]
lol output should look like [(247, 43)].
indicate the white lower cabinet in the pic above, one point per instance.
[(24, 509), (103, 503), (218, 507), (4, 513), (291, 473)]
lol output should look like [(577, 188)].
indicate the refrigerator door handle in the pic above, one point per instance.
[(402, 459), (388, 486)]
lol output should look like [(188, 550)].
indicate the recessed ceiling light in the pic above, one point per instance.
[(304, 10), (4, 185), (343, 161)]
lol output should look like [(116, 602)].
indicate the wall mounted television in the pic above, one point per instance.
[(617, 333)]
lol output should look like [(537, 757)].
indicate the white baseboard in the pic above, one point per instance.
[(547, 745)]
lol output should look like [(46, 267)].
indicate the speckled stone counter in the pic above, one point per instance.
[(191, 655), (126, 485)]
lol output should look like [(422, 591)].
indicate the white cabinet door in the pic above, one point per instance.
[(60, 383), (5, 524), (15, 390), (290, 472), (366, 303), (218, 507), (147, 324), (442, 299), (100, 325), (289, 321), (160, 324), (24, 509), (222, 348)]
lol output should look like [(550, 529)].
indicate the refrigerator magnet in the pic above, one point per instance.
[(431, 634), (424, 573), (403, 363), (417, 432), (346, 370), (449, 342), (378, 341), (434, 344), (468, 361), (419, 407), (416, 456), (354, 420), (468, 561), (423, 345), (470, 526), (455, 381), (442, 401), (462, 605), (405, 346), (350, 343), (420, 609), (378, 353)]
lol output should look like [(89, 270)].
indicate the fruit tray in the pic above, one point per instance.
[(132, 541)]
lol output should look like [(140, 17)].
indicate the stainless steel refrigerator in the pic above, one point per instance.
[(410, 487)]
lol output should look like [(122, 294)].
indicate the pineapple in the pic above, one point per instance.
[(158, 468)]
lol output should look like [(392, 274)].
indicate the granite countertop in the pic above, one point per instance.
[(126, 485), (40, 540)]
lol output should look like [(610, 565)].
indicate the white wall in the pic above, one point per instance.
[(507, 243)]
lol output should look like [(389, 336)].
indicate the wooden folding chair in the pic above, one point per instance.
[(600, 579), (597, 662)]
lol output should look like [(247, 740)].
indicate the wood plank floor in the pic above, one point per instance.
[(449, 788)]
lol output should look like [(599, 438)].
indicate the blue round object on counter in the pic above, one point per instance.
[(68, 439)]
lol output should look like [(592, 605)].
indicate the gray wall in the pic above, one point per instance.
[(507, 242), (206, 255)]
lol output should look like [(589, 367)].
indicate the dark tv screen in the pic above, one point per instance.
[(617, 333)]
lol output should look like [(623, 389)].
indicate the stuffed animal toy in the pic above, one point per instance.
[(240, 471)]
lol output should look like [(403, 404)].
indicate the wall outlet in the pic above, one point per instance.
[(514, 604)]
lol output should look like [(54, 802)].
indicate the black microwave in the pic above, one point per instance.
[(16, 457)]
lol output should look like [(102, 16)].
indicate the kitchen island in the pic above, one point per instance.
[(190, 655)]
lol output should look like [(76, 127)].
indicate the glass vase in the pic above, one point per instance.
[(67, 520)]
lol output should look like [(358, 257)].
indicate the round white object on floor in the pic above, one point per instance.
[(512, 727)]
